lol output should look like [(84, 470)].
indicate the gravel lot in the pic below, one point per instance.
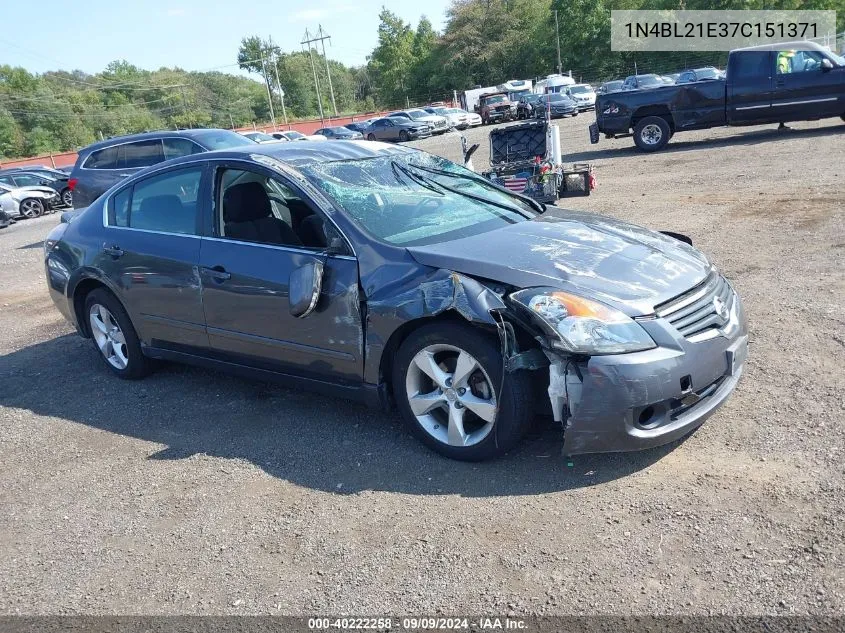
[(195, 492)]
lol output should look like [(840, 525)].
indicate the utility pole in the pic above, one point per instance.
[(322, 37), (231, 121), (308, 41), (279, 83), (269, 96), (184, 105), (557, 37)]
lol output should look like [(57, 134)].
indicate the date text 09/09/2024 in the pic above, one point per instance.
[(492, 623), (797, 30)]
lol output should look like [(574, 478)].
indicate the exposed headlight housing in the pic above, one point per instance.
[(583, 326)]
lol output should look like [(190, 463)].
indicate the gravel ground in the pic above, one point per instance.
[(195, 492)]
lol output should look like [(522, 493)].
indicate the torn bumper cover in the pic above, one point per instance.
[(635, 401)]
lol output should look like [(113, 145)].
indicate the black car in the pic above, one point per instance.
[(698, 74), (525, 106), (639, 82), (38, 177), (397, 129), (558, 104), (609, 87), (339, 133), (386, 274), (104, 164)]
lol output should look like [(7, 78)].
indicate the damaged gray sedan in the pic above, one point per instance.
[(395, 277)]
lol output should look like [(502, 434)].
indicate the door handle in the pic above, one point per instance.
[(113, 250), (124, 175), (218, 273)]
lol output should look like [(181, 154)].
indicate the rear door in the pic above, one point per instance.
[(245, 272), (151, 253), (750, 83), (805, 89)]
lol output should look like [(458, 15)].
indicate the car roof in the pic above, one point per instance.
[(116, 140), (784, 46)]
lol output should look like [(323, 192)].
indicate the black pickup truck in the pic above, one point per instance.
[(775, 83)]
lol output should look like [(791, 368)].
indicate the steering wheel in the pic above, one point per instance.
[(435, 203)]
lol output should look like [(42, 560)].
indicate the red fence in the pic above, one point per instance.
[(306, 127)]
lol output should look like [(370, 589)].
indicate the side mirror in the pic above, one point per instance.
[(826, 65), (304, 288)]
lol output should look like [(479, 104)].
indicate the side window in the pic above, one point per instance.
[(806, 61), (751, 65), (253, 207), (142, 154), (6, 180), (102, 159), (28, 180), (166, 203), (176, 147)]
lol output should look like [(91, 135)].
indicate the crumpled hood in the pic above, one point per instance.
[(629, 267)]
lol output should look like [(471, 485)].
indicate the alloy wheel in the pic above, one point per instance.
[(451, 395), (31, 208), (651, 134), (108, 336), (67, 198)]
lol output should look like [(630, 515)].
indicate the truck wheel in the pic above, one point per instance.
[(652, 133)]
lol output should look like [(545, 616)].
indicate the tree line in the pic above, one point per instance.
[(484, 42)]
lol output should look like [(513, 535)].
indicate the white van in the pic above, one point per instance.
[(553, 83)]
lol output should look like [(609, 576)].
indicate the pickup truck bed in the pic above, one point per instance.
[(754, 93)]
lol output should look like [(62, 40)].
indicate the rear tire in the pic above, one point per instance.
[(67, 197), (652, 133), (114, 336), (31, 208), (461, 413)]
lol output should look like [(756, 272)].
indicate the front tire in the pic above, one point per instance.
[(114, 336), (403, 136), (652, 133), (447, 382), (31, 208), (371, 137)]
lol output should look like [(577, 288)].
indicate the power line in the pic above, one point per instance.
[(308, 41)]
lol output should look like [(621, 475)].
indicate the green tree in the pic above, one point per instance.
[(391, 62)]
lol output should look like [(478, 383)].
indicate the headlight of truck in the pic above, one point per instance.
[(583, 326)]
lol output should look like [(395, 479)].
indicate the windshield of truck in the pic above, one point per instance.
[(417, 198), (493, 100)]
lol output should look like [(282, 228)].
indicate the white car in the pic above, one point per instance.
[(293, 135), (259, 137), (28, 202), (583, 95), (473, 118), (457, 119)]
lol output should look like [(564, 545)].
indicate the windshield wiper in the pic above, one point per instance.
[(417, 179), (473, 196)]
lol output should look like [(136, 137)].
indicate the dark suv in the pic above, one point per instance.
[(103, 164)]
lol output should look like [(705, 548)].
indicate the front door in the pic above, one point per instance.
[(263, 229), (805, 89), (150, 254)]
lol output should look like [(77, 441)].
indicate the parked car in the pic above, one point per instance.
[(698, 74), (583, 95), (473, 118), (291, 135), (525, 106), (389, 275), (558, 105), (359, 126), (456, 119), (28, 202), (609, 87), (58, 181), (104, 164), (638, 82), (6, 220), (666, 79), (339, 133), (398, 129), (756, 91), (260, 137), (496, 107), (437, 123)]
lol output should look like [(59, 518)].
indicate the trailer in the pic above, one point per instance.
[(469, 98), (553, 83), (516, 88)]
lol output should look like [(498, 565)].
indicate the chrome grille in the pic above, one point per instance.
[(697, 311)]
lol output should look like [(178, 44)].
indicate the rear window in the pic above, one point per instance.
[(750, 64)]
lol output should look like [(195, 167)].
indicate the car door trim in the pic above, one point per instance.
[(805, 101), (754, 107)]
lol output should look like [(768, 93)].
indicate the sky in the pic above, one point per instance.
[(190, 34)]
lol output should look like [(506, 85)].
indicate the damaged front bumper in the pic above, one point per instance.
[(645, 399)]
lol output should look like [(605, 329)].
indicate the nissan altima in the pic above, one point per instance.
[(382, 273)]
